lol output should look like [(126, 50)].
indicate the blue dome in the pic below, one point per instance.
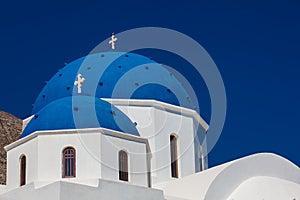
[(77, 112), (114, 75), (120, 75)]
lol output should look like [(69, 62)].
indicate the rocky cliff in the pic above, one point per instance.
[(10, 131)]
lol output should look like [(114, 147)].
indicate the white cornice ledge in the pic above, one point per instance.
[(159, 105), (105, 131)]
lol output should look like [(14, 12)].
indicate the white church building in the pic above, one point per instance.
[(123, 136)]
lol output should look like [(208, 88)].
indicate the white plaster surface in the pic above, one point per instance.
[(106, 190), (30, 150), (220, 182), (137, 159), (156, 122), (2, 189), (94, 158), (260, 187)]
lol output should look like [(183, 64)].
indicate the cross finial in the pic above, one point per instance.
[(113, 40), (79, 82)]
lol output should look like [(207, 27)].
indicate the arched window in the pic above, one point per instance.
[(69, 163), (22, 170), (201, 159), (123, 166), (174, 156)]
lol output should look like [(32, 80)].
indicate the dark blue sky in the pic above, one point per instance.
[(255, 45)]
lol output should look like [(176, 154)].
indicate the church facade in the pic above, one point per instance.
[(122, 136)]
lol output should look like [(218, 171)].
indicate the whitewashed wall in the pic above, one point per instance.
[(2, 189), (87, 148), (137, 159), (105, 190), (157, 124), (266, 188), (30, 150), (97, 156), (44, 158)]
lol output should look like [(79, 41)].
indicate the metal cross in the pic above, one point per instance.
[(113, 40), (79, 82)]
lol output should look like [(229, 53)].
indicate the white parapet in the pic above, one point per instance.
[(2, 189)]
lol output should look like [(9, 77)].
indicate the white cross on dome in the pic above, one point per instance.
[(79, 82)]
